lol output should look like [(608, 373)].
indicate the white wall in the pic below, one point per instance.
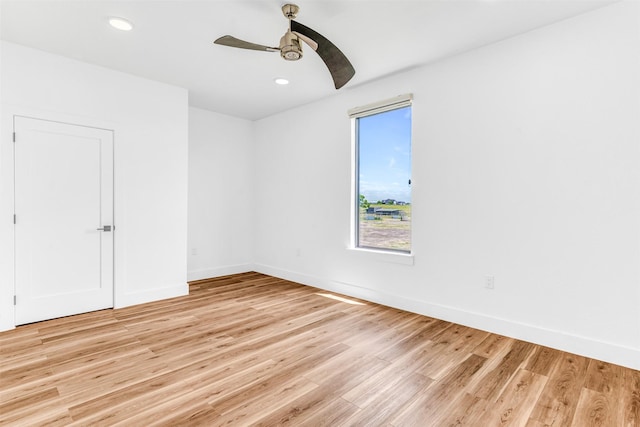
[(150, 120), (526, 163), (220, 194)]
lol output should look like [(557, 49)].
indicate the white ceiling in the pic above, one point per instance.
[(172, 40)]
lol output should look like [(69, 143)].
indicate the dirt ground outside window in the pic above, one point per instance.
[(386, 231)]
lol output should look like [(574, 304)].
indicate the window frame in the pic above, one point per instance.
[(400, 101)]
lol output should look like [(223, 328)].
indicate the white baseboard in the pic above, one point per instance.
[(226, 270), (150, 295), (584, 346)]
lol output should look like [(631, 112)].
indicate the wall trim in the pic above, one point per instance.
[(151, 295), (208, 273), (581, 345)]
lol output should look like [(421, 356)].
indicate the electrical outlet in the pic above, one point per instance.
[(194, 251), (489, 282)]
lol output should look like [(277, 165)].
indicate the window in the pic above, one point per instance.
[(382, 174)]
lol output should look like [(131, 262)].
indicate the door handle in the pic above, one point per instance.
[(104, 228)]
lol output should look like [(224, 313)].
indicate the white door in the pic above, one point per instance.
[(63, 198)]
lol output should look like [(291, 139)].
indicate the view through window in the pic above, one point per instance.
[(383, 175)]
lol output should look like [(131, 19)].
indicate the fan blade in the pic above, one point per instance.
[(234, 42), (339, 66), (313, 45)]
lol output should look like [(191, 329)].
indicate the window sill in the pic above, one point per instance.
[(385, 256)]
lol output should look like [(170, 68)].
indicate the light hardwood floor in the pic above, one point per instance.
[(251, 349)]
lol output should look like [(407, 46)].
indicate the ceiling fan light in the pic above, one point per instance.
[(120, 23), (292, 55)]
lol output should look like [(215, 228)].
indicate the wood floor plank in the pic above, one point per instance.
[(251, 349), (346, 370), (42, 408), (440, 396), (120, 405), (387, 404), (629, 406), (469, 410), (191, 395), (89, 354), (600, 397), (454, 346), (595, 409), (50, 417), (282, 373), (604, 377), (493, 383), (90, 383), (299, 409), (559, 399), (26, 374), (493, 345), (543, 360), (386, 380), (427, 332), (250, 410), (333, 414), (516, 402), (200, 414)]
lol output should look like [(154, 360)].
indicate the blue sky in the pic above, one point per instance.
[(385, 155)]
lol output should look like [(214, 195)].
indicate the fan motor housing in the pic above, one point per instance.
[(290, 48)]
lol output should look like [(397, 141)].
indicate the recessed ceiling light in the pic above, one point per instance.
[(120, 23), (281, 81)]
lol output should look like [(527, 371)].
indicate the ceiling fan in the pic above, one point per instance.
[(290, 47)]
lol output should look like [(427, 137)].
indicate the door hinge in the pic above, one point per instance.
[(14, 300), (14, 137), (14, 218)]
